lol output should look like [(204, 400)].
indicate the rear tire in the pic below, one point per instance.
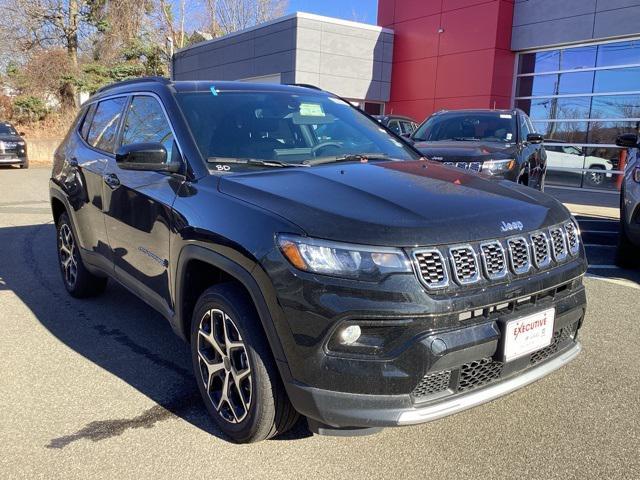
[(234, 368), (78, 281)]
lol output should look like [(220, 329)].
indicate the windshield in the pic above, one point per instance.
[(289, 129), (488, 127), (7, 129)]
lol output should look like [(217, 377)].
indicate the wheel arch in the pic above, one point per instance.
[(223, 270)]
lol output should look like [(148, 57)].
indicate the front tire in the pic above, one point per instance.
[(234, 368), (78, 281)]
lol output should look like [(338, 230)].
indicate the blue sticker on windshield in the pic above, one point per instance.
[(214, 91)]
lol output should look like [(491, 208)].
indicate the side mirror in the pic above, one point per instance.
[(535, 138), (628, 140), (146, 157)]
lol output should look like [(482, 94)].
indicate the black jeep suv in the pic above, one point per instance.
[(501, 144), (317, 264)]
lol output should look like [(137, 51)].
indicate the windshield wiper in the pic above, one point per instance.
[(346, 158), (253, 161), (466, 139)]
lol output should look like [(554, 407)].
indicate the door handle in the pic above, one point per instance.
[(112, 180)]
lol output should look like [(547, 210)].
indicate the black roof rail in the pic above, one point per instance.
[(162, 80), (305, 85)]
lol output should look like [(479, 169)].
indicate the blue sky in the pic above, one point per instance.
[(359, 10)]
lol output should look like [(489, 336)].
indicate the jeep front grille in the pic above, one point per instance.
[(558, 244), (573, 240), (465, 265), (519, 255), (432, 268), (493, 260), (540, 249)]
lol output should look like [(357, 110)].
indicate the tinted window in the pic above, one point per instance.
[(146, 123), (574, 132), (491, 127), (290, 127), (551, 108), (540, 62), (619, 106), (7, 129), (86, 122), (617, 80), (557, 84), (104, 125), (576, 58), (524, 128), (394, 126), (622, 53)]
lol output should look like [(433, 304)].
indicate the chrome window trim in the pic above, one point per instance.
[(416, 265), (476, 277), (563, 257), (505, 269), (533, 249), (523, 270)]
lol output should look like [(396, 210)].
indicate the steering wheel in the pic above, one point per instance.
[(315, 149)]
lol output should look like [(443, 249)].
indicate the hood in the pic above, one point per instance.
[(394, 203), (452, 151)]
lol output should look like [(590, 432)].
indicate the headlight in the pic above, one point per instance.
[(342, 260), (494, 167)]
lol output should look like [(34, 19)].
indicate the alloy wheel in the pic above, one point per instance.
[(67, 253), (595, 178), (224, 366)]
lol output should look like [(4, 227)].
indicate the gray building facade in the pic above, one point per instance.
[(350, 59)]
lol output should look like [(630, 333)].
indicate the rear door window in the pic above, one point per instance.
[(394, 126), (104, 125)]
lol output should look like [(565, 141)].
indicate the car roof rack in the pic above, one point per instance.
[(162, 80)]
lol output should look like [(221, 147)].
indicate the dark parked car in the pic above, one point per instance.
[(499, 143), (398, 124), (346, 279), (629, 243), (13, 148)]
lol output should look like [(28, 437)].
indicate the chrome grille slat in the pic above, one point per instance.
[(573, 240), (465, 264), (558, 244), (493, 260), (431, 267), (540, 249), (519, 257)]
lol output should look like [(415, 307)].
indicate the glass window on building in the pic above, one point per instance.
[(581, 99)]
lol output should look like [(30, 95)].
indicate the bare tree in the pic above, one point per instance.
[(226, 16)]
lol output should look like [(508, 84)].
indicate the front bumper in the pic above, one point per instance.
[(340, 409), (6, 159)]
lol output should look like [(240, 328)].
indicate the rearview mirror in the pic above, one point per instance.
[(535, 138), (628, 140), (145, 156)]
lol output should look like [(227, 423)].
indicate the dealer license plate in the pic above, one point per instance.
[(527, 334)]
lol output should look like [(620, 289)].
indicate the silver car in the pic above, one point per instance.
[(629, 244)]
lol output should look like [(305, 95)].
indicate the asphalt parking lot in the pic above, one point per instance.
[(102, 388)]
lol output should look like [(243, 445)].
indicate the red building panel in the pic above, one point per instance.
[(449, 54)]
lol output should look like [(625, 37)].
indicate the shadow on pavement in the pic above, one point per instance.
[(116, 331)]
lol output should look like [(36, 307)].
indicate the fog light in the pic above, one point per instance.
[(350, 335)]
